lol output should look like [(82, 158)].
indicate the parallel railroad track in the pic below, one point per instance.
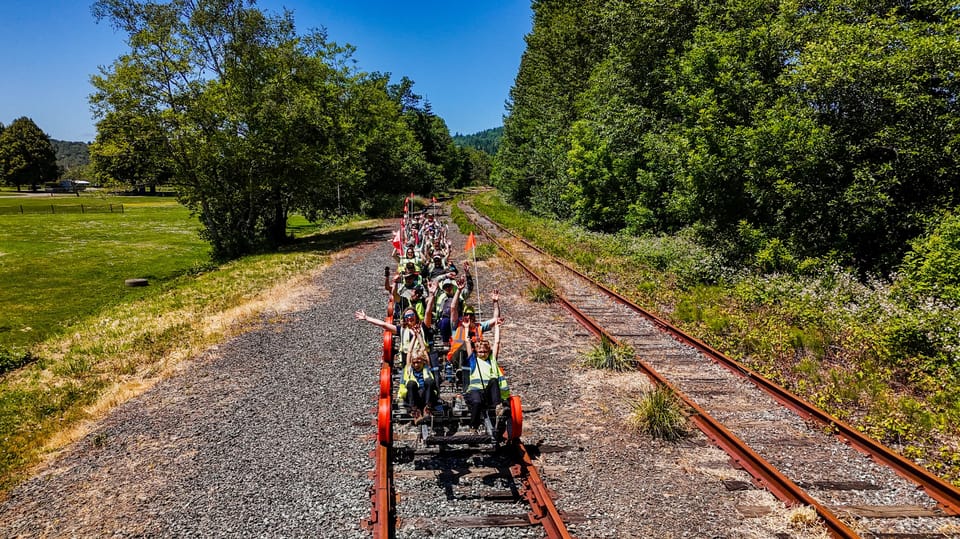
[(857, 486)]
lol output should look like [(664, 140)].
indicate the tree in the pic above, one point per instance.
[(826, 130), (254, 120), (565, 44), (932, 266), (130, 151), (26, 155)]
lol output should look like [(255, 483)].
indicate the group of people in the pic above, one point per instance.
[(440, 339)]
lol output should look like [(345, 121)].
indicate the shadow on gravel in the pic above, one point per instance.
[(339, 239)]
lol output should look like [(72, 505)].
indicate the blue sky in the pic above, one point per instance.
[(462, 55)]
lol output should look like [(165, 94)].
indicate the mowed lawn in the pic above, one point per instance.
[(62, 265)]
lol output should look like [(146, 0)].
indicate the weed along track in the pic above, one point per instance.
[(858, 487)]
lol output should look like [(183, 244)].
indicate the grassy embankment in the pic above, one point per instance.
[(89, 342), (842, 344)]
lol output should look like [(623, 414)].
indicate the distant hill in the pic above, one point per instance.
[(71, 154), (487, 141)]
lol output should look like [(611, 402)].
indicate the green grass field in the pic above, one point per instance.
[(56, 268), (80, 342)]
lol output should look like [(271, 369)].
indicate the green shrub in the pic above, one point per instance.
[(932, 267), (14, 358), (460, 219), (660, 414), (486, 250)]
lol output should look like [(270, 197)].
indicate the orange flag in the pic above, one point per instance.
[(471, 242)]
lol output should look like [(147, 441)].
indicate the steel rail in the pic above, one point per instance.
[(542, 509), (759, 468), (382, 522), (945, 494)]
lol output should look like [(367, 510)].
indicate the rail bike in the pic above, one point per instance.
[(448, 421), (452, 416)]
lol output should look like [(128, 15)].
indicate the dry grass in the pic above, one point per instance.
[(609, 356), (196, 330), (107, 359)]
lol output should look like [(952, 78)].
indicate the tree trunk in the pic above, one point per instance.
[(277, 228)]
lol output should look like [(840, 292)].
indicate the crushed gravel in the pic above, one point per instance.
[(270, 434)]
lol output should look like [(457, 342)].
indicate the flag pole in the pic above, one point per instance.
[(472, 244), (476, 280)]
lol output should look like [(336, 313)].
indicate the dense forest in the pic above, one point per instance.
[(71, 155), (487, 141), (789, 134)]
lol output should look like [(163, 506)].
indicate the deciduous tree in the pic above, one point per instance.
[(255, 119), (26, 155)]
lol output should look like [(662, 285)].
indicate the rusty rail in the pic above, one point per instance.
[(946, 495), (760, 469), (382, 522), (542, 509)]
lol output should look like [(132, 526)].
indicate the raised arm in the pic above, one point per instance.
[(362, 316), (387, 283), (468, 281), (495, 347), (431, 299), (455, 311)]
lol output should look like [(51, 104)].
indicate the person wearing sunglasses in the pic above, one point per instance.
[(415, 337)]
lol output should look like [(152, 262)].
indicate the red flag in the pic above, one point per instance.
[(471, 242), (434, 200), (396, 240)]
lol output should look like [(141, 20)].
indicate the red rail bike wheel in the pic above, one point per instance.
[(516, 417), (386, 379), (384, 412)]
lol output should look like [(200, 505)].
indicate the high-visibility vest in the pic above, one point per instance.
[(482, 371), (402, 265), (409, 375), (459, 338), (410, 336)]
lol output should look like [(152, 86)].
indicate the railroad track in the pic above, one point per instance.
[(802, 455), (417, 470)]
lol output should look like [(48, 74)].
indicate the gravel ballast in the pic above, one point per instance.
[(270, 435), (267, 435)]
